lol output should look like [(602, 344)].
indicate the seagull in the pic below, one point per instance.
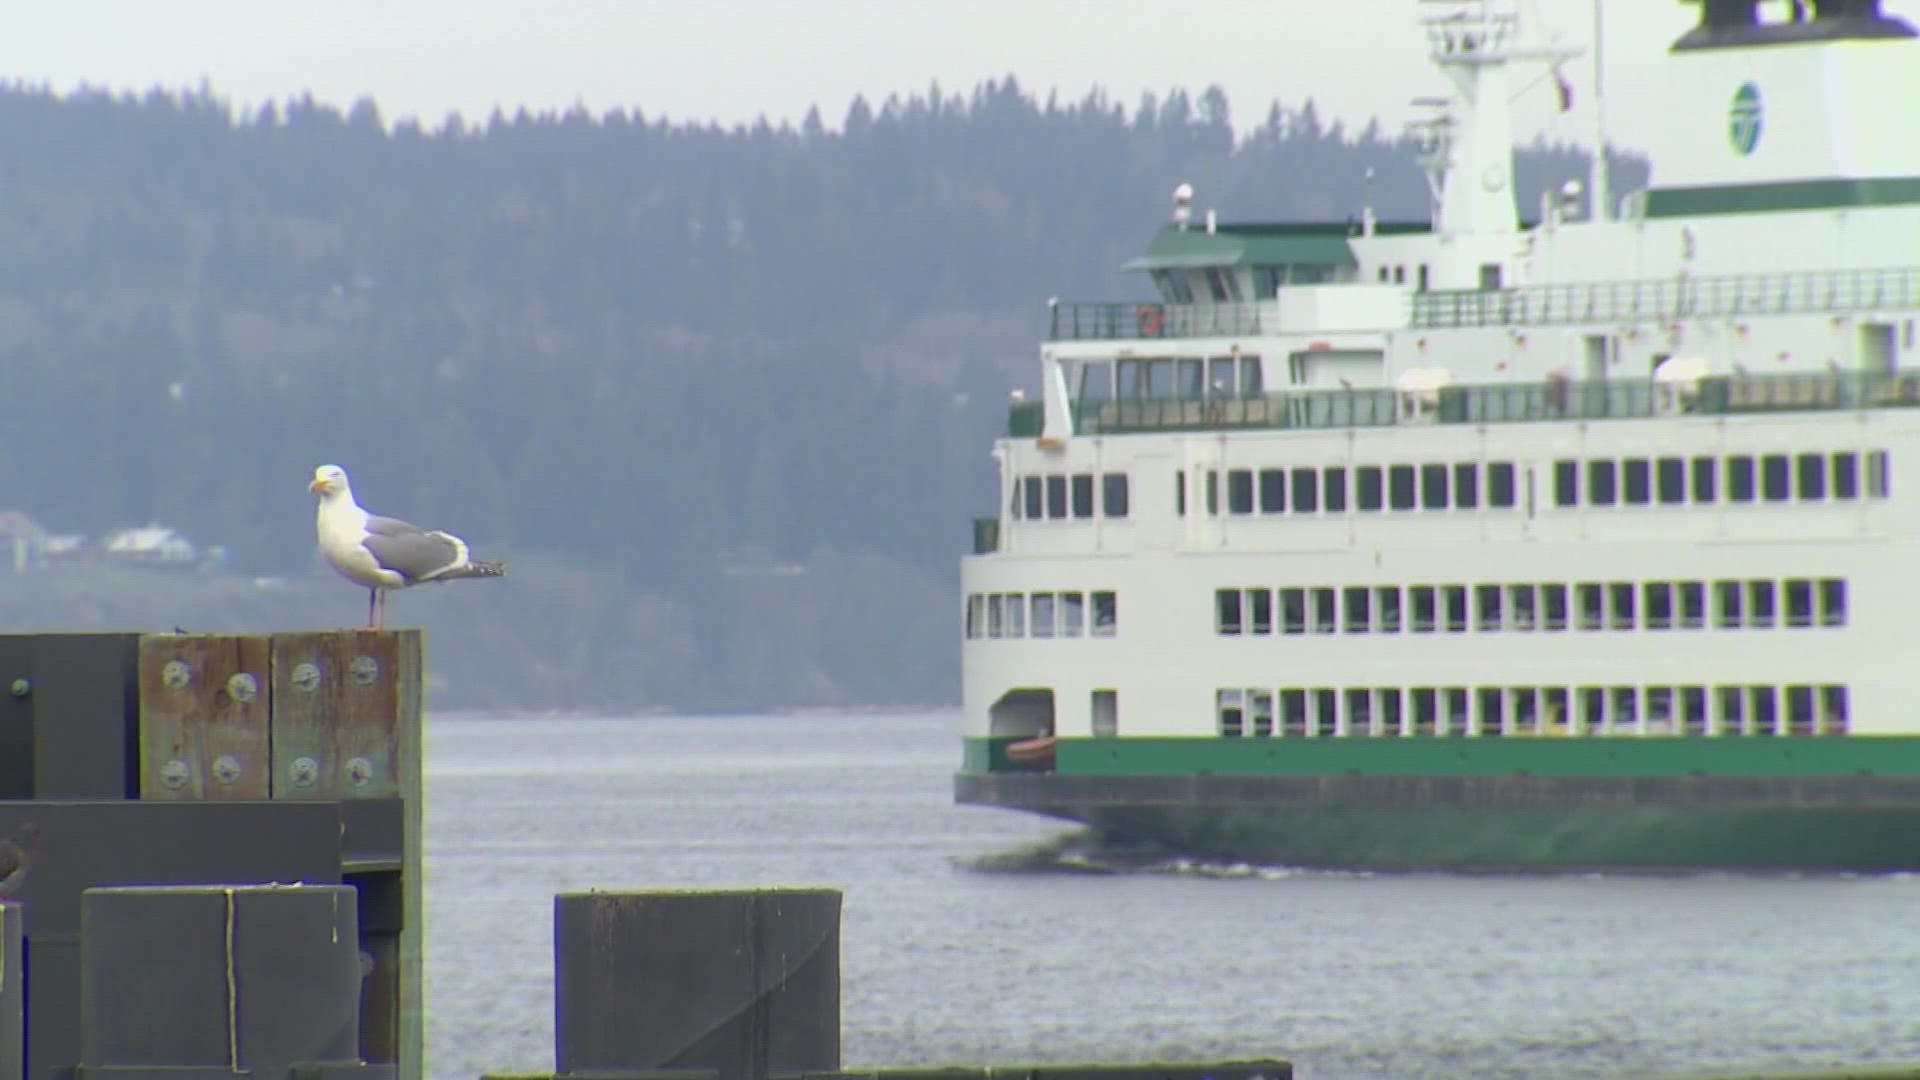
[(383, 553), (16, 858)]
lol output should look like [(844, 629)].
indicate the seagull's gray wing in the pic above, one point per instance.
[(407, 549), (12, 857)]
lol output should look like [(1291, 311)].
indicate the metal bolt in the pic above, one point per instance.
[(304, 772), (176, 674), (22, 687), (242, 687), (306, 676), (359, 771), (226, 768), (175, 774), (364, 669)]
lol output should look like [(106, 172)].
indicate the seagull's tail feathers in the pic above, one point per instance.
[(476, 569)]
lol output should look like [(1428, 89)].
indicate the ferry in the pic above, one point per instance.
[(1579, 542)]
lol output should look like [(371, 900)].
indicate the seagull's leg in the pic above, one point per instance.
[(373, 596)]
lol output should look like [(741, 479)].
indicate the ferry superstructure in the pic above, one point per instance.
[(1588, 542)]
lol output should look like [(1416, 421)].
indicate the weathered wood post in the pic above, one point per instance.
[(744, 982)]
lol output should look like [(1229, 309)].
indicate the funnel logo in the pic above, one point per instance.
[(1743, 120)]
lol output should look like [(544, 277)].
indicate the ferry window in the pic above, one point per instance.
[(1659, 604), (1633, 474), (1220, 283), (1305, 491), (1323, 611), (1324, 712), (1740, 478), (1593, 710), (1846, 476), (1500, 484), (997, 615), (1096, 380), (1433, 487), (1671, 479), (1113, 494), (1106, 713), (1693, 710), (1733, 712), (1833, 602), (1213, 492), (1879, 482), (976, 614), (1387, 604), (1388, 709), (1764, 710), (1251, 384), (1083, 495), (1016, 615), (1566, 483), (1220, 377), (1660, 710), (1799, 602), (1600, 483), (1293, 712), (1359, 712), (1456, 607), (1812, 469), (1703, 477), (1231, 707), (1273, 490), (1592, 607), (1492, 710), (1293, 611), (1133, 383), (1336, 500), (1366, 487), (1072, 614), (1105, 612), (1260, 610), (1553, 601), (1453, 715), (1833, 710), (1760, 605), (1056, 496), (1620, 605), (1035, 508), (1043, 620), (1421, 597), (1226, 604), (1774, 476), (1466, 485), (1192, 383), (1693, 604), (1726, 597), (1522, 708), (1159, 378), (1800, 710), (1358, 620), (1240, 491), (1180, 492), (1425, 705), (1486, 603), (1260, 709), (1520, 602), (1553, 713), (1626, 708), (1013, 502), (1400, 489)]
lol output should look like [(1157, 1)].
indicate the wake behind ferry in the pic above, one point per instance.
[(1470, 544)]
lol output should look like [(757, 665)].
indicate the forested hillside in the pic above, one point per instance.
[(722, 398)]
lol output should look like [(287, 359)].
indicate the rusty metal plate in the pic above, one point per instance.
[(337, 714), (203, 716)]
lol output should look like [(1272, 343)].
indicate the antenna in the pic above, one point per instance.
[(1597, 182)]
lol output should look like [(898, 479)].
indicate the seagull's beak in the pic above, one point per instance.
[(317, 485)]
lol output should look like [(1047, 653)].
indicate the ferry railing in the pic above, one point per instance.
[(1836, 291), (1121, 321), (1554, 399)]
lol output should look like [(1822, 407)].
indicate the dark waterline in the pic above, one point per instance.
[(968, 938)]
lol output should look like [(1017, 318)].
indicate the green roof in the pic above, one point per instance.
[(1314, 244)]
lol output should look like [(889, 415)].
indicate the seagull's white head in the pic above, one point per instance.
[(330, 481)]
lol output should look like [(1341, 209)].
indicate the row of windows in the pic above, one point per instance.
[(1308, 490), (1062, 495), (1743, 604), (1041, 614), (1184, 378), (1740, 478), (1326, 712)]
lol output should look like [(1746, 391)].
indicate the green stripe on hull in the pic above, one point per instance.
[(1790, 195), (1545, 755)]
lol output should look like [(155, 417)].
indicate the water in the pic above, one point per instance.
[(944, 960)]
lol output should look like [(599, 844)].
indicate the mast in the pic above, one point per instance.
[(1602, 209)]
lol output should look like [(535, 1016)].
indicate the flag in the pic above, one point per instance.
[(1561, 84)]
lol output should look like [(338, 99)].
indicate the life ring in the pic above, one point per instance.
[(1151, 319)]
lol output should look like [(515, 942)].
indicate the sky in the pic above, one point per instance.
[(732, 61)]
